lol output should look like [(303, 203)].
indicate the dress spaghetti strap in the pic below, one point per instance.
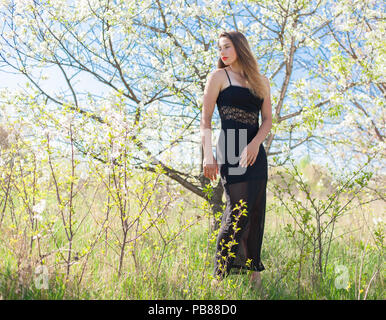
[(228, 77)]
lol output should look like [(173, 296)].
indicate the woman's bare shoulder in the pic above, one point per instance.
[(215, 80), (216, 75), (217, 71)]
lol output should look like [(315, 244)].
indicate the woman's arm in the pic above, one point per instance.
[(250, 153), (211, 91), (266, 116)]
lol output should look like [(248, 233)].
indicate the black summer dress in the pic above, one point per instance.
[(240, 235)]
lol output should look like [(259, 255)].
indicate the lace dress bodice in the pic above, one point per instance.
[(239, 109)]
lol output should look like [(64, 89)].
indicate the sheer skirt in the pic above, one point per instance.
[(240, 237)]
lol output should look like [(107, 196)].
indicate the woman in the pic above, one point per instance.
[(240, 92)]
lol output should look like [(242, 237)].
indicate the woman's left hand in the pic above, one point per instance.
[(249, 154)]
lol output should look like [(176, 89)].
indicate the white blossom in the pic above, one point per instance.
[(39, 207), (378, 220)]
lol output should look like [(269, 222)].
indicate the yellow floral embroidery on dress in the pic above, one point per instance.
[(237, 114)]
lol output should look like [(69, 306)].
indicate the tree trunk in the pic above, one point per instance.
[(216, 204)]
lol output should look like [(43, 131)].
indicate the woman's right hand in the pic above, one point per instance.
[(210, 168)]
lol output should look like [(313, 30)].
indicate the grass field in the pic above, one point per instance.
[(173, 259)]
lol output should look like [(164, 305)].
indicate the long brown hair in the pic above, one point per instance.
[(247, 62)]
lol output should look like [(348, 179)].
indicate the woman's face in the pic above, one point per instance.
[(227, 51)]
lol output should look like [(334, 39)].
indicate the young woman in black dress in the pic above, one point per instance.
[(241, 93)]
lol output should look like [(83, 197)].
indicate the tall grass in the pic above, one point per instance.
[(186, 268)]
